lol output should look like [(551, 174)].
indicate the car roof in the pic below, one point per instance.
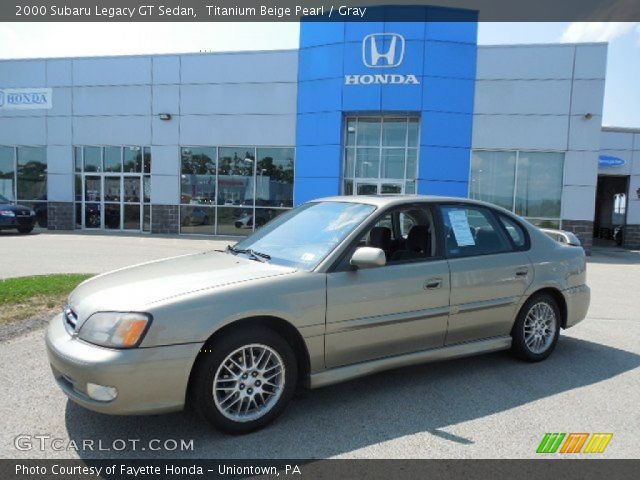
[(391, 200)]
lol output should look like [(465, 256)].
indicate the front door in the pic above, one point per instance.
[(399, 308)]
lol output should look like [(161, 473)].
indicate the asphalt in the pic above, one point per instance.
[(43, 253), (489, 406)]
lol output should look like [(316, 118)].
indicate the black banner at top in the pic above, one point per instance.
[(322, 10)]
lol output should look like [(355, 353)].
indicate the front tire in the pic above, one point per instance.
[(25, 230), (244, 379), (537, 327)]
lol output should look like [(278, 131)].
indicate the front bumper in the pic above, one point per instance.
[(148, 380), (578, 299), (15, 222)]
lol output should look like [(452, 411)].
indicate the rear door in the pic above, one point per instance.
[(489, 273)]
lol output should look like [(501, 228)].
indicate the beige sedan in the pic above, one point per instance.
[(335, 289)]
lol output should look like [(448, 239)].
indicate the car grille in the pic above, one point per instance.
[(70, 320), (23, 213)]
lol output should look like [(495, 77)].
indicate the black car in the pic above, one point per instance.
[(14, 216)]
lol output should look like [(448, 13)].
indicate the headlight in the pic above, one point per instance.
[(32, 213), (115, 329), (7, 213)]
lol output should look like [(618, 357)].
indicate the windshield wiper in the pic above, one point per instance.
[(262, 257)]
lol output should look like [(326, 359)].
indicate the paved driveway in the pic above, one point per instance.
[(41, 253), (485, 406)]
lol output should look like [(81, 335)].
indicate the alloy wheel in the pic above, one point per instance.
[(540, 327), (249, 382)]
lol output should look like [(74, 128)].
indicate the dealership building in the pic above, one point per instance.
[(217, 143)]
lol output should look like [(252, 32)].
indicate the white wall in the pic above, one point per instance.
[(535, 97), (244, 98)]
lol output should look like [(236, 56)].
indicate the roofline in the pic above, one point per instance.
[(552, 44), (142, 55), (390, 200), (621, 129), (279, 50)]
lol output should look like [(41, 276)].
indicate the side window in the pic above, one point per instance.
[(470, 231), (515, 231), (405, 235), (407, 222)]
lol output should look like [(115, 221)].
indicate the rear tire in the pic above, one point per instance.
[(244, 379), (537, 327)]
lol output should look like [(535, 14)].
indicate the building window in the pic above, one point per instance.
[(233, 190), (380, 155), (527, 183), (7, 173), (23, 178), (619, 209), (113, 187)]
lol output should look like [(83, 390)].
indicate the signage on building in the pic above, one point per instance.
[(25, 98), (382, 50), (609, 161)]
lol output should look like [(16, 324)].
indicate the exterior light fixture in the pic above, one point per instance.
[(588, 116), (165, 116)]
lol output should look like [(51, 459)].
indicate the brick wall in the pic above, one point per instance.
[(583, 229), (631, 236), (165, 219), (60, 216)]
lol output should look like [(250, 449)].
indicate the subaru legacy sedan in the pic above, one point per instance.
[(335, 289)]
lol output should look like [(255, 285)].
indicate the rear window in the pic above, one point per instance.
[(515, 231)]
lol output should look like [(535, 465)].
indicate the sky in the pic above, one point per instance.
[(38, 40)]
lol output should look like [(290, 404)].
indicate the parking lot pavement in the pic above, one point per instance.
[(489, 406), (42, 253)]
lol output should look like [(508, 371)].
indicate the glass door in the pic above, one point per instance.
[(391, 188), (366, 188), (115, 189), (375, 187)]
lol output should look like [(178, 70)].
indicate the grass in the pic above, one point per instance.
[(25, 297)]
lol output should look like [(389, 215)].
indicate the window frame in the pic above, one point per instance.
[(493, 220), (341, 263), (518, 152), (518, 223), (351, 177), (254, 208)]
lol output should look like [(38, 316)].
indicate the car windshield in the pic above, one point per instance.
[(303, 237), (4, 199)]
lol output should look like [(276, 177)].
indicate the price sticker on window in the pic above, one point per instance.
[(461, 229)]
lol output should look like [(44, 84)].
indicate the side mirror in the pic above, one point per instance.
[(368, 257)]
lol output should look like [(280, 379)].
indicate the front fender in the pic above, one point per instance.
[(298, 298)]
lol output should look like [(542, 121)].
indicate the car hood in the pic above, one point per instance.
[(14, 207), (136, 288)]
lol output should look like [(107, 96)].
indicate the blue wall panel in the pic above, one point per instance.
[(318, 161), (445, 188), (439, 49), (330, 100), (310, 188), (319, 129), (448, 95), (437, 163), (441, 129)]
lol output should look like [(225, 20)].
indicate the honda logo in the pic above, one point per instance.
[(383, 50)]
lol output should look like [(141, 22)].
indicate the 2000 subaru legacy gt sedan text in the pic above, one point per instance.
[(335, 289)]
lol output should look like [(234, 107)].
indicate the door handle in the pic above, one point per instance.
[(432, 283), (522, 272)]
